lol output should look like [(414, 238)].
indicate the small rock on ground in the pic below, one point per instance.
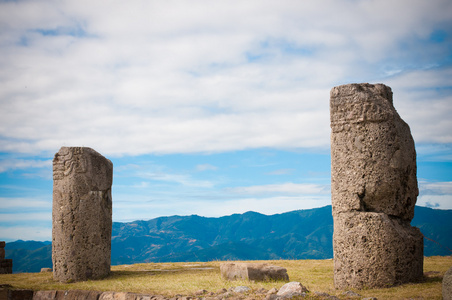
[(292, 289), (272, 291), (351, 294), (200, 292), (242, 289)]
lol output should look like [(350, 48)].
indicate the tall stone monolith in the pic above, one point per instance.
[(82, 214), (374, 190)]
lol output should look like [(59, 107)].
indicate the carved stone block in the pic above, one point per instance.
[(82, 214)]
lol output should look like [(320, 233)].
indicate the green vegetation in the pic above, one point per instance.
[(170, 279)]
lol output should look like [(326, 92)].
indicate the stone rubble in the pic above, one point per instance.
[(292, 289), (351, 294)]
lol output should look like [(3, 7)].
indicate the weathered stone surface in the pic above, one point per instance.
[(292, 289), (127, 296), (6, 266), (44, 295), (272, 291), (66, 295), (82, 214), (113, 296), (2, 250), (46, 270), (9, 294), (253, 271), (351, 294), (92, 295), (242, 289), (372, 153), (3, 294), (375, 250), (447, 285), (374, 190)]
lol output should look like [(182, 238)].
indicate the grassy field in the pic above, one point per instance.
[(170, 279)]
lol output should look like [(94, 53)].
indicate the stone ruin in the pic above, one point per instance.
[(82, 214), (6, 265), (374, 190), (252, 271), (373, 186)]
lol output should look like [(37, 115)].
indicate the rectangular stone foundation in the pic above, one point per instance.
[(374, 250)]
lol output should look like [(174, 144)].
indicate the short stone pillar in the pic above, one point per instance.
[(374, 190), (6, 265), (82, 214)]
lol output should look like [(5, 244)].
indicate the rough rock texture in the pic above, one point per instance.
[(447, 285), (10, 294), (46, 270), (292, 289), (66, 295), (82, 214), (373, 155), (6, 265), (2, 249), (375, 250), (374, 190), (253, 271), (242, 289)]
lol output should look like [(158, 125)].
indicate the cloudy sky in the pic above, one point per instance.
[(210, 107)]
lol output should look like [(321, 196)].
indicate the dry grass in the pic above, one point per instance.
[(170, 279)]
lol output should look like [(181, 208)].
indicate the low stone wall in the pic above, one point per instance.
[(9, 294)]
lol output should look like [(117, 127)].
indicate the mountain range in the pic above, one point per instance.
[(300, 234)]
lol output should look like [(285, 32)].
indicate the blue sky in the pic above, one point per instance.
[(210, 108)]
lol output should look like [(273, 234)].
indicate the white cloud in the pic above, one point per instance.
[(182, 179), (435, 201), (25, 203), (423, 101), (29, 217), (13, 164), (284, 188), (130, 211), (435, 152), (281, 172), (172, 77), (435, 194), (36, 233), (436, 188), (268, 205), (206, 167)]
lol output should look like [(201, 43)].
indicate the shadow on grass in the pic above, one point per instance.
[(432, 279)]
